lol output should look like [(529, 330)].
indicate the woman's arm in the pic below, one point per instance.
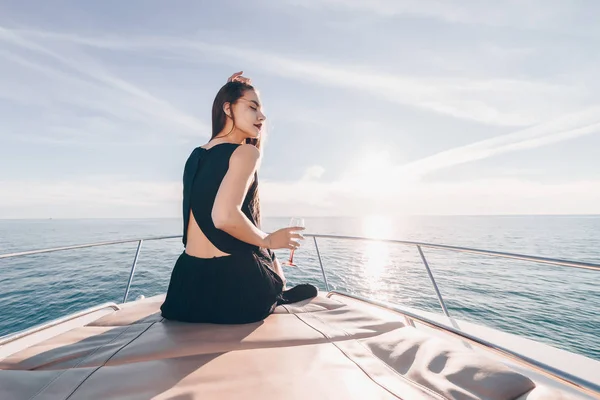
[(227, 212)]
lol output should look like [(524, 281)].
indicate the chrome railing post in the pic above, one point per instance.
[(137, 254), (435, 286), (321, 264)]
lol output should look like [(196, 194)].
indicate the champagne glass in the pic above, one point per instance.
[(299, 222)]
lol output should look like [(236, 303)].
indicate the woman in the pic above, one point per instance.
[(228, 273)]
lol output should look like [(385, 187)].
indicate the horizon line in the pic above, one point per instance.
[(312, 216)]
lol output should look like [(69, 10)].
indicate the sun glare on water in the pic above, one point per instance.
[(376, 256)]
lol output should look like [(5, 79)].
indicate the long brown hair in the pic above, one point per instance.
[(229, 93)]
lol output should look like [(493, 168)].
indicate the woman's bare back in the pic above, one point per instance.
[(230, 195), (198, 244)]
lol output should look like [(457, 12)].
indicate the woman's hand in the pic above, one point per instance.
[(237, 77), (284, 238)]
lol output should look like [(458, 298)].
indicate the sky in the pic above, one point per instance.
[(387, 107)]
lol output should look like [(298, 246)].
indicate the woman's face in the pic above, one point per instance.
[(248, 114)]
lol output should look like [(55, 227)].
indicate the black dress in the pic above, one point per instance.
[(234, 289)]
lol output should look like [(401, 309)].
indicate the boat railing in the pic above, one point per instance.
[(578, 383), (418, 245)]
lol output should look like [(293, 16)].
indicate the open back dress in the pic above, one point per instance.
[(239, 288)]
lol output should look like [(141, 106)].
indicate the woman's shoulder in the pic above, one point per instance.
[(245, 158), (246, 152), (193, 158), (233, 153)]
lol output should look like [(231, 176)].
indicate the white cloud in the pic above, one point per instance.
[(373, 187), (377, 184), (503, 102), (545, 14), (313, 172), (94, 197), (79, 81), (118, 197), (494, 196), (585, 122)]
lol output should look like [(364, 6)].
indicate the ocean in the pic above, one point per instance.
[(556, 305)]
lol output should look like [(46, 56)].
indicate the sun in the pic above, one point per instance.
[(374, 173)]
